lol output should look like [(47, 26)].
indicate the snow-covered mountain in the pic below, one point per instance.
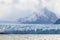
[(47, 17), (57, 22)]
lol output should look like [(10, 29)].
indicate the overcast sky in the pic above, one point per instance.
[(11, 10)]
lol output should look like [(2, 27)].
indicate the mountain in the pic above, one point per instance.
[(48, 17), (57, 22)]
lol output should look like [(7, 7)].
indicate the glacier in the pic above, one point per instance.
[(29, 29)]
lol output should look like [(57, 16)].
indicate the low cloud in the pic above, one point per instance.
[(24, 8)]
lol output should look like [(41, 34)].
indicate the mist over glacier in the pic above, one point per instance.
[(13, 10)]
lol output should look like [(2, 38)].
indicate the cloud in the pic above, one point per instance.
[(54, 6), (12, 10)]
